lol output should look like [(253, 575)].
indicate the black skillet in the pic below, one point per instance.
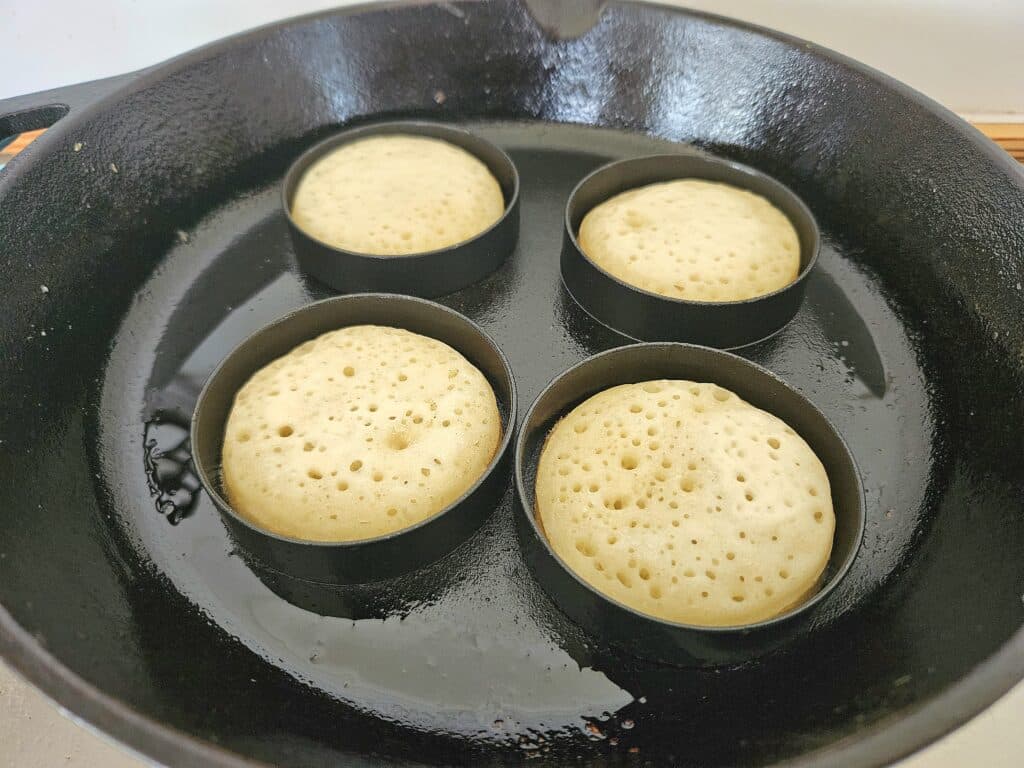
[(151, 215)]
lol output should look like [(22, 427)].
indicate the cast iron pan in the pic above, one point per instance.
[(152, 215)]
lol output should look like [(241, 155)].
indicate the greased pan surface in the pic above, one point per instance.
[(908, 340)]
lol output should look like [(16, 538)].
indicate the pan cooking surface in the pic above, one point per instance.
[(480, 662)]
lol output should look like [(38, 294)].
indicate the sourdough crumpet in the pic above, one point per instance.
[(686, 503), (358, 433), (396, 195), (693, 239)]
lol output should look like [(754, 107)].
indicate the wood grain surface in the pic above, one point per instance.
[(17, 145), (1009, 136)]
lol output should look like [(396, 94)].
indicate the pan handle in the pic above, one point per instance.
[(41, 110)]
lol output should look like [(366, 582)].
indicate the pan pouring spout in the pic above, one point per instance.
[(566, 19)]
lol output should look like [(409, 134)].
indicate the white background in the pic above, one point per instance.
[(967, 54)]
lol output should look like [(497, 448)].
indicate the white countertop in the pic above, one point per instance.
[(34, 734)]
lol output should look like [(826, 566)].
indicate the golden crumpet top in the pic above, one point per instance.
[(693, 239), (359, 433), (684, 502), (396, 195)]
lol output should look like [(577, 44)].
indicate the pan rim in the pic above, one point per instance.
[(87, 704), (875, 745)]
